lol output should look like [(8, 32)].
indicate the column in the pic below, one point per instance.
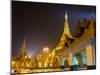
[(63, 60), (89, 55), (70, 58), (94, 56)]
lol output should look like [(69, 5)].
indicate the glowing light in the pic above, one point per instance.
[(13, 62), (66, 15), (12, 71), (51, 65), (46, 49), (25, 56), (49, 55), (45, 64), (39, 55), (40, 64)]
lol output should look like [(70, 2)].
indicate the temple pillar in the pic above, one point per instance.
[(94, 56), (63, 60), (90, 55), (70, 58)]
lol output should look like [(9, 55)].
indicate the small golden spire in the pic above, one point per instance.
[(23, 49)]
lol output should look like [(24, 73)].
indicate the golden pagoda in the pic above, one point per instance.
[(23, 52), (22, 60), (66, 36)]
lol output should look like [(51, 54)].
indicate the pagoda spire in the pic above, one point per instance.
[(66, 27), (65, 36), (23, 49)]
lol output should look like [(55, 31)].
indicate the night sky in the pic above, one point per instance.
[(41, 24)]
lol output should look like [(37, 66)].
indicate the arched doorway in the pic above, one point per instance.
[(80, 60), (66, 63)]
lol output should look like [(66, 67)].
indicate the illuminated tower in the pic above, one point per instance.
[(65, 36), (23, 50), (66, 28)]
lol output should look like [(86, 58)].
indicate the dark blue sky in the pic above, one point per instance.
[(42, 23)]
